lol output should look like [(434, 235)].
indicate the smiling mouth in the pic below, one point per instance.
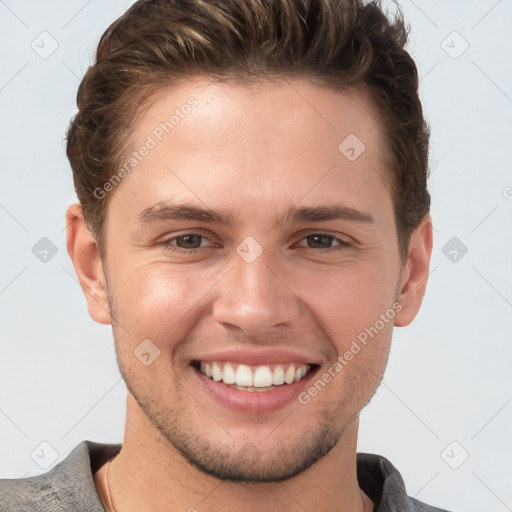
[(254, 378)]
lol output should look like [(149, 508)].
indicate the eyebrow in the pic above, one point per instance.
[(166, 211)]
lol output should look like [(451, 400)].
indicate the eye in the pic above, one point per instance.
[(326, 240), (187, 243)]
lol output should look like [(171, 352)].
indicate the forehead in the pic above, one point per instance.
[(255, 144), (297, 107)]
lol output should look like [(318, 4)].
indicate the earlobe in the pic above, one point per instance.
[(84, 254), (415, 273)]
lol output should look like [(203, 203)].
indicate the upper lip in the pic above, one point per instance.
[(256, 356)]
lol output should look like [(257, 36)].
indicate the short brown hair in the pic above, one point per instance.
[(341, 44)]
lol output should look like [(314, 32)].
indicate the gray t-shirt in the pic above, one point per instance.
[(69, 486)]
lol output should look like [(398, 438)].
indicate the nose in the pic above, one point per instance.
[(257, 297)]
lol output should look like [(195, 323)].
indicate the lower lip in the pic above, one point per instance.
[(254, 401)]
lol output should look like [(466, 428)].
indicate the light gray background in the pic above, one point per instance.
[(449, 376)]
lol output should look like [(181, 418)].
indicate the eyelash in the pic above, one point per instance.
[(168, 243)]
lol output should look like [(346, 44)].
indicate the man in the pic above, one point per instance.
[(253, 221)]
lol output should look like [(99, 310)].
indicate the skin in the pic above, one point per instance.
[(255, 151)]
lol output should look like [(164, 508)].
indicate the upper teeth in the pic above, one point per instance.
[(255, 376)]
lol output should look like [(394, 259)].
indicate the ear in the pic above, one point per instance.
[(84, 254), (415, 273)]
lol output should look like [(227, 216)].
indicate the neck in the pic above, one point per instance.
[(149, 474)]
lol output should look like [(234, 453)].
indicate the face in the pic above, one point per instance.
[(251, 248)]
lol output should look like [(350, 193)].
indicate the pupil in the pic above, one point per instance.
[(188, 239), (316, 238)]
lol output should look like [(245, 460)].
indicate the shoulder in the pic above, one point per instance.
[(383, 483), (68, 486)]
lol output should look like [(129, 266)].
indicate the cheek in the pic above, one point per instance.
[(157, 304), (350, 299), (353, 311)]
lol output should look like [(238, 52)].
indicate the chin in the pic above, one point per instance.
[(250, 464)]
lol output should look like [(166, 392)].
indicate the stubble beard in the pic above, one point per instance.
[(224, 460), (245, 463)]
